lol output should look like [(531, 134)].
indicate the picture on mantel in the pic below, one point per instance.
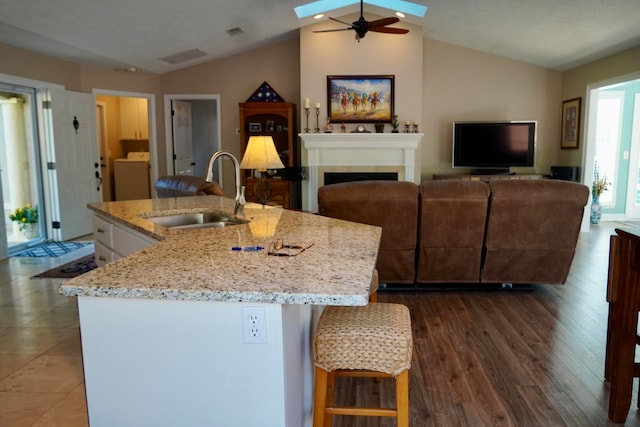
[(360, 99)]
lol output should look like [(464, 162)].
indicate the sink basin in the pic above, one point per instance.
[(197, 220)]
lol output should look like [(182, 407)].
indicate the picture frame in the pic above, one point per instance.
[(360, 99), (570, 137), (255, 127), (269, 126)]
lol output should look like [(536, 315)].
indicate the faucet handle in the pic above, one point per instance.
[(242, 200)]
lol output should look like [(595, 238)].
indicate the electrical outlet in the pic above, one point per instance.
[(254, 324)]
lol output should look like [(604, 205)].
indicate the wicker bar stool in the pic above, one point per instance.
[(369, 341)]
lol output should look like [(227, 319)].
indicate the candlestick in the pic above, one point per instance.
[(306, 103), (306, 113), (317, 129)]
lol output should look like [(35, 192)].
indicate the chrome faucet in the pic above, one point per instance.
[(240, 200)]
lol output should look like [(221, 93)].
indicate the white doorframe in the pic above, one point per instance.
[(153, 135), (167, 123), (588, 128), (632, 210)]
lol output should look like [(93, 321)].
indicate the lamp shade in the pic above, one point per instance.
[(261, 154)]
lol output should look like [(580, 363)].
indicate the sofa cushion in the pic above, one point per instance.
[(392, 205), (451, 231), (532, 230)]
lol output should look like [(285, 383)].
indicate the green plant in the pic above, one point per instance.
[(25, 215), (599, 185)]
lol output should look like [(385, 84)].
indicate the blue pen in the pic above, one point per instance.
[(247, 248)]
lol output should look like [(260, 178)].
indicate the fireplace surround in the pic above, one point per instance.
[(359, 154)]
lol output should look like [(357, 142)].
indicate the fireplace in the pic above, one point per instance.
[(338, 177), (357, 154)]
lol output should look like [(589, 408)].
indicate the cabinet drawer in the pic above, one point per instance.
[(103, 231), (127, 241), (103, 254)]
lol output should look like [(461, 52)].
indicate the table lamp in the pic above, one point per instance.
[(261, 155)]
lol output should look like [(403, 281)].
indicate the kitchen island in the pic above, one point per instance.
[(165, 333)]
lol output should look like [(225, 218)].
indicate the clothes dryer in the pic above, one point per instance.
[(132, 179)]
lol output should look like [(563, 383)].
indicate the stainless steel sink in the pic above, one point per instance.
[(197, 220)]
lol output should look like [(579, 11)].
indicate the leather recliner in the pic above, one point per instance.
[(451, 231), (392, 205), (186, 185)]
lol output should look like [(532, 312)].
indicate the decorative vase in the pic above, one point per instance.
[(31, 231), (596, 210)]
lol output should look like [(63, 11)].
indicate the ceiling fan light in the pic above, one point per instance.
[(400, 14), (319, 16)]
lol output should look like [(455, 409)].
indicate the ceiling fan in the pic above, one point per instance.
[(362, 26)]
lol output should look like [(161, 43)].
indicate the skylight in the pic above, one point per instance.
[(322, 6)]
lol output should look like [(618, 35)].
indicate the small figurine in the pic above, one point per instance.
[(343, 128), (328, 128), (395, 124)]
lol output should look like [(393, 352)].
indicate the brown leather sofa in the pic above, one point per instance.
[(186, 185), (508, 231)]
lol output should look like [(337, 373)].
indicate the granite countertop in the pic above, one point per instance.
[(199, 265)]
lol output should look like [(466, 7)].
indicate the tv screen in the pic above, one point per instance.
[(493, 145)]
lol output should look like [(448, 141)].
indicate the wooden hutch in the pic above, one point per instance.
[(278, 120)]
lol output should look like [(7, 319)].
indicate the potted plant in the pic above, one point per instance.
[(599, 186), (25, 217)]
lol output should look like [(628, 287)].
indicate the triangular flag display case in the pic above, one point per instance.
[(266, 113), (265, 93)]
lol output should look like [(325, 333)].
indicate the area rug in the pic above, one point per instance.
[(52, 249), (71, 269)]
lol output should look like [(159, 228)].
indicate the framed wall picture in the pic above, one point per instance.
[(570, 123), (360, 99), (255, 127)]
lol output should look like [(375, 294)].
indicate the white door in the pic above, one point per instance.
[(182, 138), (77, 178)]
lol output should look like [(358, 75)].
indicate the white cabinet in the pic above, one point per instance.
[(134, 118), (113, 241)]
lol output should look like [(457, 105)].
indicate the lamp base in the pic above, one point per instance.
[(262, 189)]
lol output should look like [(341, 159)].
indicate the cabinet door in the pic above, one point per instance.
[(134, 118)]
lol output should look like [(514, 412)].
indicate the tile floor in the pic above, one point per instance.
[(41, 380)]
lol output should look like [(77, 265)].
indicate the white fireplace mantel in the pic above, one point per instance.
[(357, 151)]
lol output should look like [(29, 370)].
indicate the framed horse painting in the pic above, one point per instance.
[(360, 99)]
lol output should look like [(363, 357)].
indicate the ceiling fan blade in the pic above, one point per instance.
[(382, 22), (331, 31), (342, 22), (389, 30)]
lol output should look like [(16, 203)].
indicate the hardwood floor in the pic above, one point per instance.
[(481, 358), (506, 358)]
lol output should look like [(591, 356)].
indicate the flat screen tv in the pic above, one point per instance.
[(493, 147)]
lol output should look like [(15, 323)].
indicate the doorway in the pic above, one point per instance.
[(193, 133), (613, 145), (127, 142), (21, 188)]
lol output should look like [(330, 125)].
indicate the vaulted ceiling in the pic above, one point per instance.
[(555, 34)]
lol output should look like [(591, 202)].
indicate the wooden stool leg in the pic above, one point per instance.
[(402, 398), (320, 400), (331, 387)]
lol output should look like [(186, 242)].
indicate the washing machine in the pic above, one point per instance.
[(131, 175)]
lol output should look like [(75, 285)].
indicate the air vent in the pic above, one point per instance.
[(187, 55), (235, 31)]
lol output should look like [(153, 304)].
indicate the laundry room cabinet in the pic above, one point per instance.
[(134, 118)]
